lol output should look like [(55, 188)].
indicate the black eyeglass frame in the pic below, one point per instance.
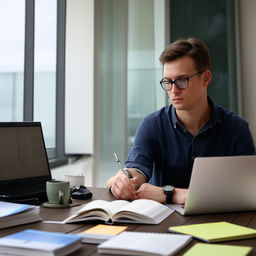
[(169, 81)]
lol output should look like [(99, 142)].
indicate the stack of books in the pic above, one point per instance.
[(12, 214), (34, 242)]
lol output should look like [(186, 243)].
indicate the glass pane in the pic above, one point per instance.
[(213, 22), (112, 84), (12, 28), (141, 61), (145, 43), (45, 68), (128, 70)]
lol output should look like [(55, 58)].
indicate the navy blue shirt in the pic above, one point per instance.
[(164, 150)]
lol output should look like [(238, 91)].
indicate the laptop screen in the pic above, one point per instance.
[(23, 157)]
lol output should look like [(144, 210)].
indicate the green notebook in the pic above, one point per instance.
[(216, 249), (215, 231)]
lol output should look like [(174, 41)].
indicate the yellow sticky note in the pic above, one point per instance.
[(105, 229)]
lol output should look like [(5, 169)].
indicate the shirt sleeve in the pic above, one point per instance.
[(243, 144), (142, 154)]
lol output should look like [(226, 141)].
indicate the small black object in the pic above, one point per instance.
[(80, 192)]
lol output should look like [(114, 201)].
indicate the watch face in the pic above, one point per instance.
[(168, 188)]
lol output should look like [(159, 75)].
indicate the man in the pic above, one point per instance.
[(167, 141)]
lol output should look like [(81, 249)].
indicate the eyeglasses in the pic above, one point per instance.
[(180, 83)]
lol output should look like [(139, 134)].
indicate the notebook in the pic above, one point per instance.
[(144, 243), (24, 167), (221, 184)]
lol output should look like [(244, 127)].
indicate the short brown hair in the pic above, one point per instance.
[(192, 47)]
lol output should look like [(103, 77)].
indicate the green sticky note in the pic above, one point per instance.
[(217, 249), (215, 231)]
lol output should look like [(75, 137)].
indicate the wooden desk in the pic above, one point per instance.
[(243, 218)]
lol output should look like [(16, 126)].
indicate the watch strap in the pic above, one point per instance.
[(169, 198), (168, 191)]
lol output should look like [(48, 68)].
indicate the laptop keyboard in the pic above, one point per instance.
[(26, 191)]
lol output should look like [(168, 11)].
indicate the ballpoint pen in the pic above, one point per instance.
[(125, 171)]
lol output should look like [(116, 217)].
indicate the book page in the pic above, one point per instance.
[(97, 209), (115, 206), (94, 208), (96, 204), (144, 211), (109, 207), (144, 207)]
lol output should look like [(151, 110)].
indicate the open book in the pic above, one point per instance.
[(138, 211)]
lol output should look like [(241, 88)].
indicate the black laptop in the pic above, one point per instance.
[(24, 167)]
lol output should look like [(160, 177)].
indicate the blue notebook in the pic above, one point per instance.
[(31, 242)]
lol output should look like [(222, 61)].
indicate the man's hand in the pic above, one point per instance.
[(156, 193), (179, 195), (130, 189), (148, 191), (124, 188)]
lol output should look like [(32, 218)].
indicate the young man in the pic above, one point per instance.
[(167, 141)]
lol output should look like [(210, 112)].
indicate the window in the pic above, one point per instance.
[(32, 66), (12, 27), (213, 22), (129, 39), (45, 68), (146, 41)]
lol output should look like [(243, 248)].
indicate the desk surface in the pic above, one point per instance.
[(242, 218)]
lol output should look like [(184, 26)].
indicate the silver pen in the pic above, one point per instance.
[(125, 171)]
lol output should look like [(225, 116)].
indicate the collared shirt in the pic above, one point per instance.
[(164, 150)]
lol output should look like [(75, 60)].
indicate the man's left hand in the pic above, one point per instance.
[(148, 191)]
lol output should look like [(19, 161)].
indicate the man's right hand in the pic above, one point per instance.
[(124, 188)]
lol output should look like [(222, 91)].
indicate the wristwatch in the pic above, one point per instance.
[(168, 190)]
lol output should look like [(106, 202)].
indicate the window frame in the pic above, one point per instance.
[(56, 155)]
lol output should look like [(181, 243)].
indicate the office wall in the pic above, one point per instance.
[(247, 9), (79, 77)]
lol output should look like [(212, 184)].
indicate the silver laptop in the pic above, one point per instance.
[(221, 184)]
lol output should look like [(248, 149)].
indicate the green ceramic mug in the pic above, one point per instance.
[(58, 192)]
